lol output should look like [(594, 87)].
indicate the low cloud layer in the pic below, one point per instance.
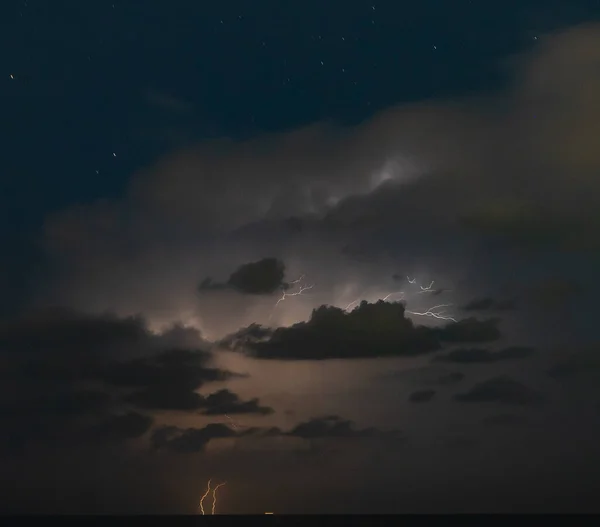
[(369, 331), (71, 376), (327, 427)]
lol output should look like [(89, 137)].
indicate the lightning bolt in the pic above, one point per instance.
[(214, 503), (297, 293), (214, 495), (301, 290), (351, 304), (434, 314), (426, 289), (201, 506), (393, 294), (297, 280)]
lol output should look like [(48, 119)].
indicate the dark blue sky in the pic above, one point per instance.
[(77, 76)]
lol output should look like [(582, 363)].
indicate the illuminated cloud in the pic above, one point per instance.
[(425, 184)]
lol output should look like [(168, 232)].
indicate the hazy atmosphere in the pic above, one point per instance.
[(338, 256)]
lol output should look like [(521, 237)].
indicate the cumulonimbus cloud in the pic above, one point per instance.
[(478, 165)]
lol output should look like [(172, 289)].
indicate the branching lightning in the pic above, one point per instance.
[(301, 289), (214, 496), (434, 314), (297, 293)]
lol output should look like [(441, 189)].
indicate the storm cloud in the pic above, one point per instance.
[(371, 330), (256, 278), (444, 208)]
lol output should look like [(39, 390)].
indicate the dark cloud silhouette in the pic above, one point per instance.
[(326, 427), (166, 381), (370, 330), (333, 426), (421, 396), (227, 402), (263, 277), (501, 389), (173, 397), (189, 440), (252, 334), (51, 357), (488, 303), (183, 369), (479, 355)]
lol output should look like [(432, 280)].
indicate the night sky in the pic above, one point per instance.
[(338, 255)]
